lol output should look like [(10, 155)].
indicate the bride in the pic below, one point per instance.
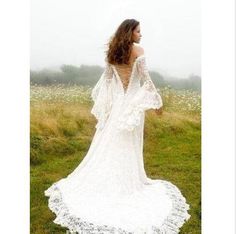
[(109, 191)]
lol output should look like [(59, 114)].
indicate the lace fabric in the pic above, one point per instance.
[(102, 97), (109, 191), (76, 225), (143, 98)]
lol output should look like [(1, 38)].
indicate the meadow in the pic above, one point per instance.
[(62, 128)]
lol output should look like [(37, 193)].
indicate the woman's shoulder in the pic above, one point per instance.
[(137, 50)]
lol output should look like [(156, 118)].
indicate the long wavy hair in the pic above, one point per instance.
[(120, 44)]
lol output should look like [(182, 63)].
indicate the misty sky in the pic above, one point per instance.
[(75, 32)]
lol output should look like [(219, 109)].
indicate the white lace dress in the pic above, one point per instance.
[(109, 191)]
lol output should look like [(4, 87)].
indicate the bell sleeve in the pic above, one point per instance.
[(146, 97), (102, 97)]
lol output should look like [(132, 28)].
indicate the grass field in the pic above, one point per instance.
[(62, 129)]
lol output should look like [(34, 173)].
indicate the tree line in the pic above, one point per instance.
[(89, 75)]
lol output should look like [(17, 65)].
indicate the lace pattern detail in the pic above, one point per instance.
[(102, 97), (171, 225), (147, 97), (145, 77), (106, 169)]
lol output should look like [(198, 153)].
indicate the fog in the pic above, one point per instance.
[(75, 32)]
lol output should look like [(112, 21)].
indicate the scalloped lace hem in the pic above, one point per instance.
[(171, 225)]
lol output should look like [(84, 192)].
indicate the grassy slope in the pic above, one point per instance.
[(61, 135)]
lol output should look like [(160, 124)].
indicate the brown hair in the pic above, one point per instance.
[(120, 44)]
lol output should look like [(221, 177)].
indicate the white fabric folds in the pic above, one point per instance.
[(146, 97), (102, 97), (109, 191)]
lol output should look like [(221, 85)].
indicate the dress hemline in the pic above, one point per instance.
[(171, 225)]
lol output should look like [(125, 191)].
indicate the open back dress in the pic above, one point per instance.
[(109, 191)]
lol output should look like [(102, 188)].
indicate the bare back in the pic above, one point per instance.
[(125, 70)]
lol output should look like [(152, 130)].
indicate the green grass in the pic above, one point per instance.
[(61, 133)]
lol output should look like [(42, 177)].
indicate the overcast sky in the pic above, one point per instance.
[(75, 32)]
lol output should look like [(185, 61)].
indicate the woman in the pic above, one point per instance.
[(109, 192)]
